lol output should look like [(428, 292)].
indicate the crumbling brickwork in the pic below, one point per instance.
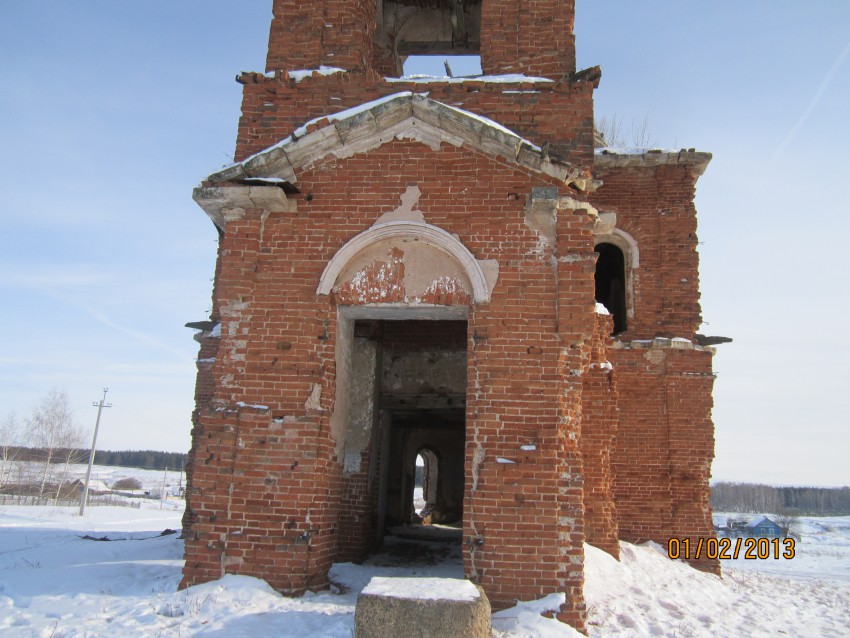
[(410, 266), (599, 426)]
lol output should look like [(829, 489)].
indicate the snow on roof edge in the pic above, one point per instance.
[(299, 74), (508, 78), (632, 156), (302, 130), (355, 110)]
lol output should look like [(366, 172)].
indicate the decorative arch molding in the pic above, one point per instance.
[(625, 242), (631, 254), (436, 237)]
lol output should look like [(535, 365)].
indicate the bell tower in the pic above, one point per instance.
[(426, 265), (534, 38)]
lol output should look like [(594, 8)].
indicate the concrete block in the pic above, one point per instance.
[(420, 608)]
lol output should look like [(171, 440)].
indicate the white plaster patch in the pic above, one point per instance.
[(420, 239), (377, 282), (314, 401), (444, 286), (405, 212), (351, 463), (477, 459), (568, 203), (605, 223)]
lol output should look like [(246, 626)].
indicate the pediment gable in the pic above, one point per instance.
[(403, 115)]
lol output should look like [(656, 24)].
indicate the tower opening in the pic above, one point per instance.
[(427, 28)]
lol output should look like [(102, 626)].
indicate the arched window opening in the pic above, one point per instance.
[(425, 492), (611, 283)]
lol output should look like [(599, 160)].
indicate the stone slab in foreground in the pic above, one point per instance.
[(420, 608)]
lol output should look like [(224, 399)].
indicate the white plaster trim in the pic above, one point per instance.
[(641, 157), (220, 202), (631, 256), (437, 237), (622, 240)]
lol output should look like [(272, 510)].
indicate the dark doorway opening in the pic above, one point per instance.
[(408, 401), (611, 283)]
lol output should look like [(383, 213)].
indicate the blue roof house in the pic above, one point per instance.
[(765, 528)]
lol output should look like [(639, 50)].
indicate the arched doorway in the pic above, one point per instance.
[(425, 484)]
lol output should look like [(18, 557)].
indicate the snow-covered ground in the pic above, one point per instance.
[(54, 582)]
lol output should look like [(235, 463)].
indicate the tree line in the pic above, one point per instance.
[(758, 498), (144, 459)]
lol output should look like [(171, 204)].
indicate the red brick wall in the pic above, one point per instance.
[(665, 443), (259, 472), (521, 36), (305, 35), (525, 358), (357, 511), (640, 456), (599, 424), (535, 38), (689, 402), (559, 113), (655, 206)]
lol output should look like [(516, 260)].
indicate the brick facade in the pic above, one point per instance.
[(411, 273)]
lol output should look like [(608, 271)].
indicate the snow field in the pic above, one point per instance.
[(55, 583)]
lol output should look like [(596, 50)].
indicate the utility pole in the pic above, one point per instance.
[(100, 405)]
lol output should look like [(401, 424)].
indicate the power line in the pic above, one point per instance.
[(61, 377), (18, 386)]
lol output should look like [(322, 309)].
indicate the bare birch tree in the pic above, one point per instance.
[(72, 439), (49, 428), (10, 440)]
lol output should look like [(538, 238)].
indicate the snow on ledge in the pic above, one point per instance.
[(631, 150), (300, 74), (302, 130), (643, 157), (601, 310), (422, 588), (509, 78), (242, 404)]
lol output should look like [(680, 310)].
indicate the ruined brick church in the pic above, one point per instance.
[(444, 268)]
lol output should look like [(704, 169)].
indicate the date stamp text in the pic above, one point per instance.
[(729, 548)]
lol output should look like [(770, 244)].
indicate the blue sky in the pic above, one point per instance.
[(111, 113)]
